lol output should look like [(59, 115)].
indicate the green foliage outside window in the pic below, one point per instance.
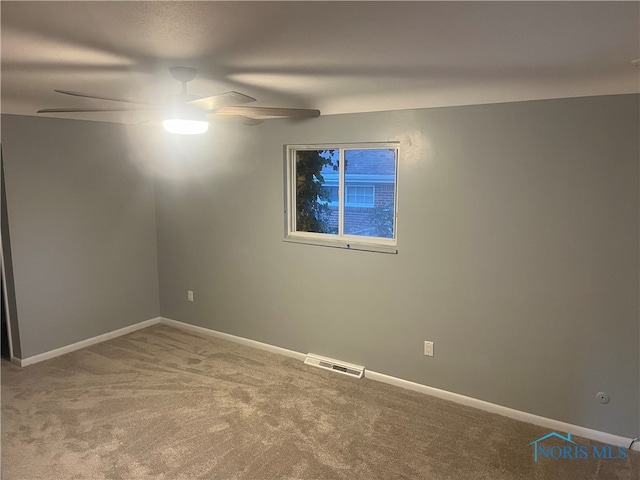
[(383, 221), (312, 198)]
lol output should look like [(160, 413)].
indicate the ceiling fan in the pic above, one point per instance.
[(189, 114)]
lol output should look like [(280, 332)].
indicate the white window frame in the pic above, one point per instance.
[(339, 240)]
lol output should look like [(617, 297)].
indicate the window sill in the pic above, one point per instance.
[(344, 244)]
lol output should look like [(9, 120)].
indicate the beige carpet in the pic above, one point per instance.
[(161, 403)]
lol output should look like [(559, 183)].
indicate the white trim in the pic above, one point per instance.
[(86, 343), (5, 292), (584, 432), (233, 338), (346, 244), (549, 423)]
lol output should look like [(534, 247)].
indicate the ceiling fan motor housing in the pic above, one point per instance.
[(178, 107), (183, 74)]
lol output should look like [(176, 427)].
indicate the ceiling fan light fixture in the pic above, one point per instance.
[(183, 126)]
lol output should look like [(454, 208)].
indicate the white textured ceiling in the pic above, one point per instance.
[(335, 56)]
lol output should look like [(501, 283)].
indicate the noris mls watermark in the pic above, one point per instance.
[(570, 450)]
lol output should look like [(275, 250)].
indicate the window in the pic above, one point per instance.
[(359, 196), (356, 196), (318, 212)]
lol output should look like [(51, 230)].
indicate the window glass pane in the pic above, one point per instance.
[(370, 182), (315, 170), (333, 194)]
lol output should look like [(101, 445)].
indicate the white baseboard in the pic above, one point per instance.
[(234, 338), (85, 343), (549, 423)]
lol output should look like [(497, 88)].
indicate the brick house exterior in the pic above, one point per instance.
[(370, 191)]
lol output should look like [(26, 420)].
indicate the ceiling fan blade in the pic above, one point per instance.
[(84, 110), (268, 112), (236, 118), (99, 97), (246, 120), (221, 100)]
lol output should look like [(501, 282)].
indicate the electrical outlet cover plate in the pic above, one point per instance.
[(428, 349)]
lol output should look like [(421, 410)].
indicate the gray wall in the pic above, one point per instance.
[(82, 227), (518, 247), (518, 252)]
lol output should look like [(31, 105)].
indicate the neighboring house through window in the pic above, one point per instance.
[(356, 196), (359, 196), (364, 217)]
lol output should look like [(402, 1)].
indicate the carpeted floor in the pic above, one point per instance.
[(162, 403)]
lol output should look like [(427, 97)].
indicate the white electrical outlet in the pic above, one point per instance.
[(428, 349), (190, 295)]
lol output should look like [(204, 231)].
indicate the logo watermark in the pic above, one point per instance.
[(570, 450)]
